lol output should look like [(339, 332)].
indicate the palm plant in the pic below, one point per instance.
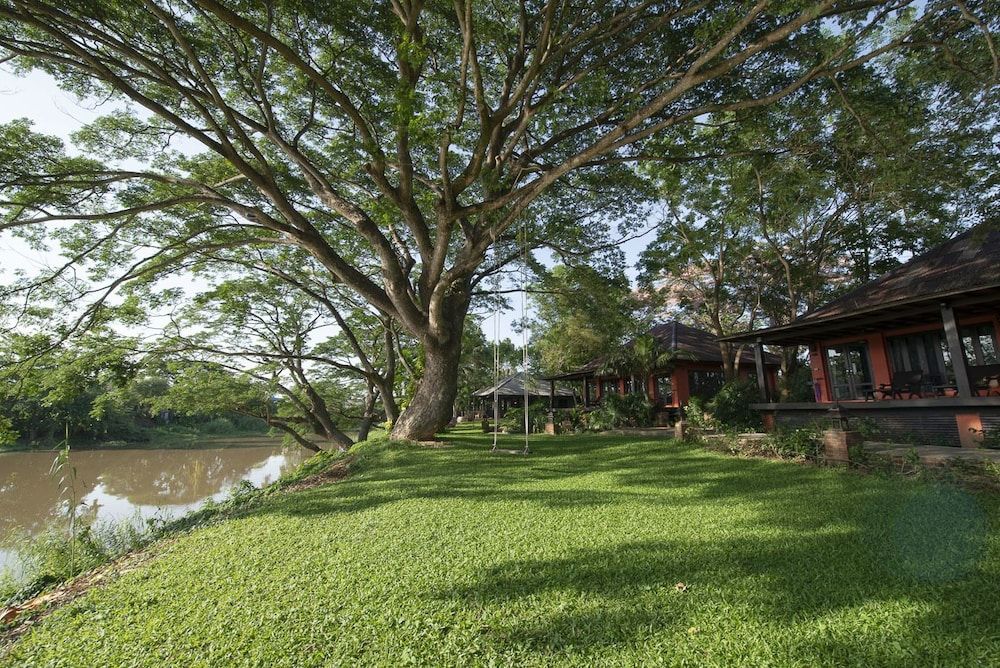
[(644, 355)]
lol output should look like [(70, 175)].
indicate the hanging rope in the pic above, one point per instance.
[(524, 328), (496, 364), (524, 349)]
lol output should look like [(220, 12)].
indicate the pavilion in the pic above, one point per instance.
[(510, 394), (914, 350), (696, 369)]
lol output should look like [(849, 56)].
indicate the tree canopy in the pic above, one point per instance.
[(402, 146)]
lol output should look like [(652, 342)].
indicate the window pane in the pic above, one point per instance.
[(969, 350), (706, 384), (665, 389), (987, 345), (927, 352), (979, 345), (609, 386)]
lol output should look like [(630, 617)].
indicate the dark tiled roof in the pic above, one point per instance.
[(968, 262), (513, 386), (690, 343)]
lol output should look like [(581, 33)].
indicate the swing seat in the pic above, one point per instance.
[(501, 451)]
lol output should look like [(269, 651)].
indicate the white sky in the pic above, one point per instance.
[(55, 112)]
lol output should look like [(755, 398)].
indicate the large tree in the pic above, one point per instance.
[(582, 312), (826, 189), (409, 137)]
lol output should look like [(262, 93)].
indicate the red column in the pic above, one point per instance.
[(681, 388)]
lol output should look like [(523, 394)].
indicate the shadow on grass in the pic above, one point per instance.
[(796, 544)]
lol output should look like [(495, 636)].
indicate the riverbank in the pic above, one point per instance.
[(167, 439), (592, 550), (121, 497), (23, 611)]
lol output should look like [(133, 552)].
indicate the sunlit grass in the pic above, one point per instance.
[(591, 551)]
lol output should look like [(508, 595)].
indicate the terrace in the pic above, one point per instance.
[(915, 350)]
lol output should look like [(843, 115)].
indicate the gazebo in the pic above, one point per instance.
[(510, 394)]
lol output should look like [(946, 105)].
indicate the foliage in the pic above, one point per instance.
[(575, 418), (730, 407), (797, 385), (395, 149), (581, 312), (513, 420), (631, 410), (797, 442), (809, 198), (698, 416), (520, 575), (477, 369)]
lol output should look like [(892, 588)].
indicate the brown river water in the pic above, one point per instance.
[(131, 484)]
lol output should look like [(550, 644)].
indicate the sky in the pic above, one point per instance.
[(53, 111)]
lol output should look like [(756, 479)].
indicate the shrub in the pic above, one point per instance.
[(632, 410), (731, 409), (576, 418), (697, 415), (513, 420), (801, 442), (219, 425), (797, 385)]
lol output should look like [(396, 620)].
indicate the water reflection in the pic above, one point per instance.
[(121, 484)]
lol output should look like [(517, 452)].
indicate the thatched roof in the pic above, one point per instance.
[(513, 386)]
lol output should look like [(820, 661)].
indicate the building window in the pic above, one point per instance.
[(609, 386), (979, 345), (706, 384), (927, 352), (849, 370), (665, 390)]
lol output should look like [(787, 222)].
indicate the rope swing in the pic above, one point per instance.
[(524, 351)]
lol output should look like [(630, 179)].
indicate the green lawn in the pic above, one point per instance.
[(453, 556)]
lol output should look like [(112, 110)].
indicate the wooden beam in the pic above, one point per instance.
[(955, 348), (758, 358)]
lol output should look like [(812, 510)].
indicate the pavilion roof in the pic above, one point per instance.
[(963, 272), (690, 343), (513, 386)]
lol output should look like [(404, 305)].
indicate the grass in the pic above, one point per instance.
[(591, 551)]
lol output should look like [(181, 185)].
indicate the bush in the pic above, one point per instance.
[(219, 425), (577, 419), (797, 385), (632, 410), (800, 442), (731, 409), (697, 415), (513, 421)]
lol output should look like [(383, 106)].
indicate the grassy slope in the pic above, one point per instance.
[(453, 556)]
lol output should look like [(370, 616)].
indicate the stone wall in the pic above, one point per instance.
[(918, 421)]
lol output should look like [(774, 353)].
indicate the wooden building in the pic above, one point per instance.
[(915, 350), (510, 394), (695, 370)]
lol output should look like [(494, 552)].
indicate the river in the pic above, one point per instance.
[(126, 484)]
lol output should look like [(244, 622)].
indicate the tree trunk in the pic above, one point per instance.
[(728, 360), (433, 402), (386, 389), (369, 417)]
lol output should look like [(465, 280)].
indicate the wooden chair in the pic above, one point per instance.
[(903, 382), (985, 379)]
